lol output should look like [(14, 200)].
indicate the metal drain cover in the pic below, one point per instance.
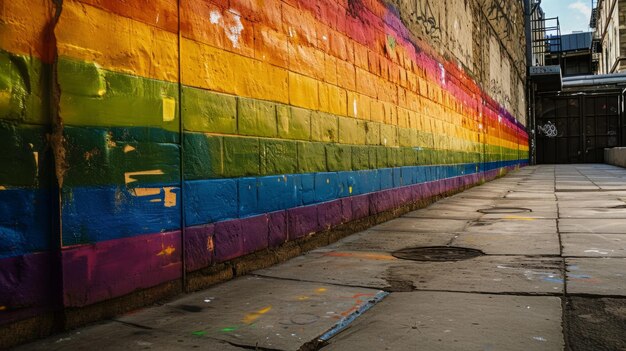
[(504, 210), (437, 253)]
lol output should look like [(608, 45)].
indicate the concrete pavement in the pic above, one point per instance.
[(549, 276)]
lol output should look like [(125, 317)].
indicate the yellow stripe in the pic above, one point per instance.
[(210, 68), (22, 24), (117, 43)]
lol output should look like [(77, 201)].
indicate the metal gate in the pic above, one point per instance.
[(576, 128)]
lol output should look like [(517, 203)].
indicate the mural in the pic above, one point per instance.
[(154, 140)]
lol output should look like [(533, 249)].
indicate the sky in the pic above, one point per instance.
[(573, 15)]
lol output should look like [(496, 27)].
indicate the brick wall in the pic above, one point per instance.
[(136, 131)]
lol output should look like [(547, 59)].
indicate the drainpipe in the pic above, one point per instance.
[(530, 128)]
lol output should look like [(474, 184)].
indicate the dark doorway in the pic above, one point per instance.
[(576, 128)]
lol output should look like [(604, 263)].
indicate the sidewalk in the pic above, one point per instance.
[(550, 276)]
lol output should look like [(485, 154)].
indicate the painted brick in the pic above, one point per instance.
[(228, 239), (366, 82), (241, 156), (279, 192), (294, 122), (347, 214), (410, 156), (324, 127), (311, 157), (373, 157), (333, 99), (271, 46), (205, 111), (386, 178), (306, 60), (302, 221), (407, 137), (203, 156), (303, 91), (359, 106), (100, 213), (20, 166), (408, 175), (278, 157), (388, 135), (330, 69), (208, 201), (338, 157), (360, 206), (28, 280), (255, 234), (326, 186), (92, 273), (248, 197), (360, 157), (351, 131), (372, 133), (381, 201), (256, 118), (346, 76), (308, 188), (277, 228), (382, 157), (397, 177), (329, 215), (199, 246)]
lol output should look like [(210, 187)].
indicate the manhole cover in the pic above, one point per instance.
[(437, 253), (504, 210)]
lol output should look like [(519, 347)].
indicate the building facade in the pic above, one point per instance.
[(609, 23)]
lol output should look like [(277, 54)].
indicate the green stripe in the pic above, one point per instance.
[(104, 156), (25, 156), (210, 156), (23, 81), (92, 96)]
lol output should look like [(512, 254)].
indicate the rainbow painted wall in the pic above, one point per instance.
[(138, 133)]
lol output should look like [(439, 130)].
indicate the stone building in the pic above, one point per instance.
[(609, 23)]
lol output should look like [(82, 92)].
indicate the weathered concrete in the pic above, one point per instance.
[(594, 245), (423, 225), (563, 254), (487, 274), (453, 321), (596, 276), (517, 224), (249, 311), (510, 244), (593, 226), (615, 156)]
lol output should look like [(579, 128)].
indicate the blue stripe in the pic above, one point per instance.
[(214, 200), (93, 214), (24, 221), (104, 213)]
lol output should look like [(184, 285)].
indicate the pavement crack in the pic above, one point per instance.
[(315, 281), (130, 324), (249, 347)]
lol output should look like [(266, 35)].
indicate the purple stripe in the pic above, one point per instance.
[(235, 238), (199, 247), (28, 285), (108, 269)]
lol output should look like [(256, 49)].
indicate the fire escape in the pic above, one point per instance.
[(596, 44)]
